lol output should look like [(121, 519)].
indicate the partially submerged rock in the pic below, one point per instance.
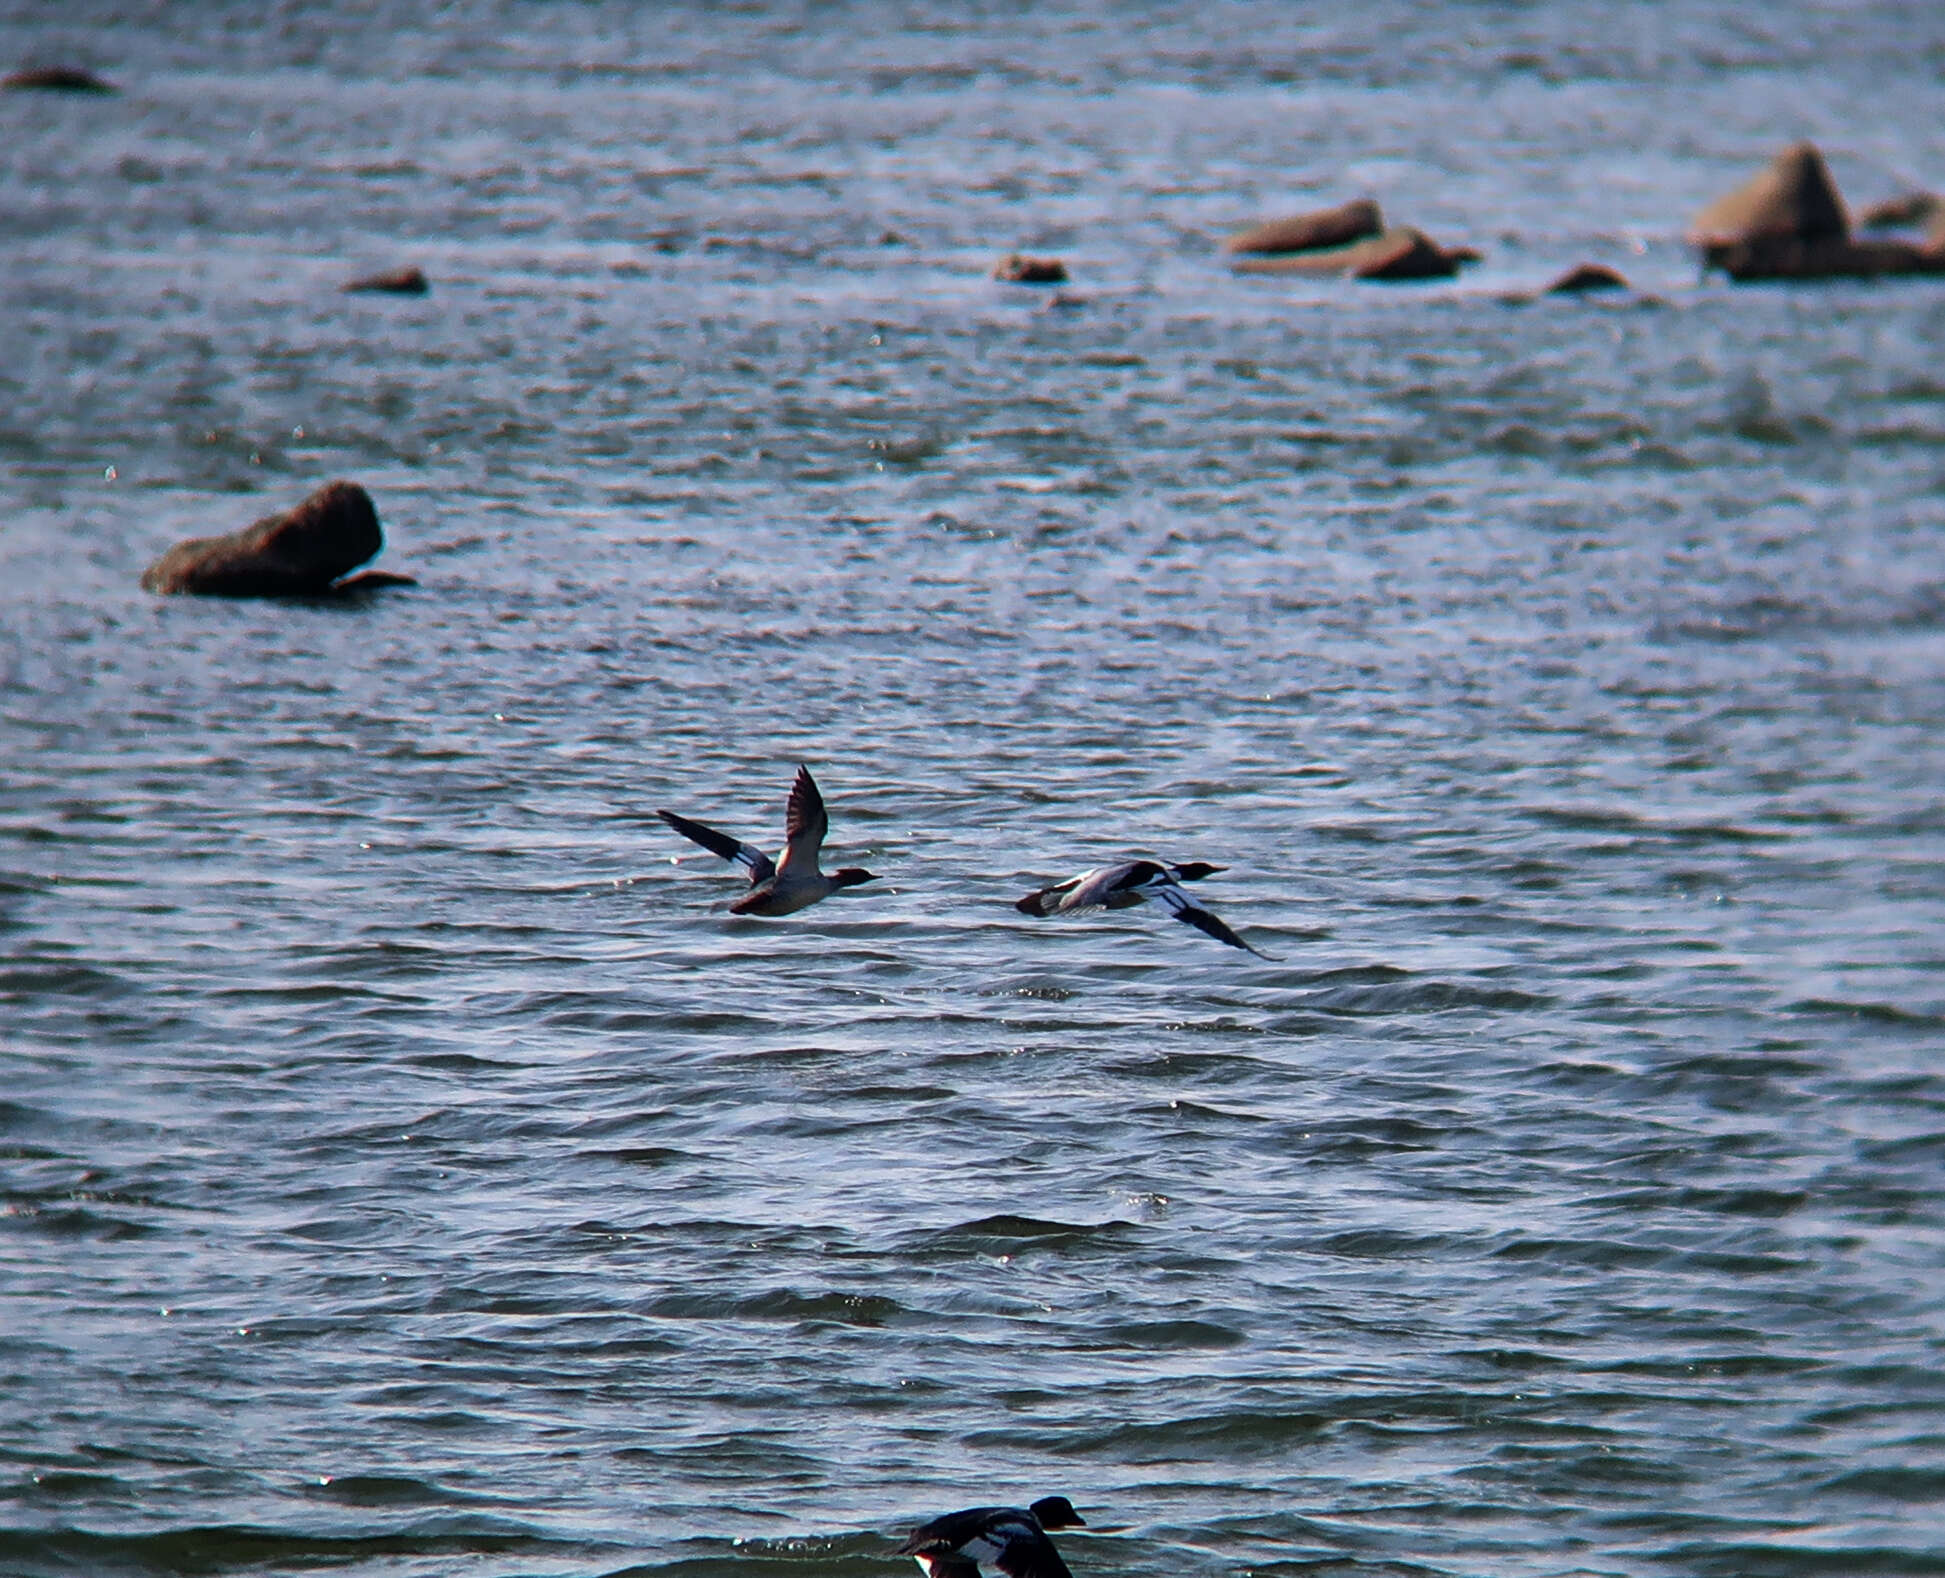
[(1913, 210), (1898, 213), (1017, 269), (302, 552), (1587, 277), (1792, 198), (55, 79), (1324, 227), (1786, 257), (407, 281), (1789, 223), (1400, 254)]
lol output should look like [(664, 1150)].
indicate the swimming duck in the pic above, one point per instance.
[(792, 881), (1013, 1539), (1134, 882)]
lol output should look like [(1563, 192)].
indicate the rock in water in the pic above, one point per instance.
[(406, 281), (1326, 227), (1398, 254), (298, 553), (1587, 277), (1894, 213), (55, 79), (1785, 257), (1792, 199), (1016, 269)]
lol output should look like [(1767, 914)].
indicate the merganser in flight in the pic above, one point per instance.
[(1010, 1538), (1133, 882), (792, 881)]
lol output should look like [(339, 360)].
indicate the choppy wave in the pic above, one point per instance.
[(406, 1166)]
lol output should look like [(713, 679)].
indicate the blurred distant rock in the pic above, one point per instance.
[(1784, 257), (55, 79), (1896, 213), (1792, 198), (1017, 269), (302, 552), (1401, 254), (393, 282), (1788, 222), (1910, 211), (1325, 227), (1587, 277)]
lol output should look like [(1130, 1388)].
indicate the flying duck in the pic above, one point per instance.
[(1133, 882), (792, 881), (1013, 1539)]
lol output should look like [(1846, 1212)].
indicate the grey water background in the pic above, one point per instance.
[(409, 1169)]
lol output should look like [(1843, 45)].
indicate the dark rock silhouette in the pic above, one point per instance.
[(301, 552), (1789, 223), (1785, 257), (1017, 269), (1400, 254), (55, 79), (1585, 278), (406, 281), (1898, 213), (1912, 210), (1325, 227)]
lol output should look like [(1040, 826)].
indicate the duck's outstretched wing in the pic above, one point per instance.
[(1183, 908), (758, 865), (805, 822)]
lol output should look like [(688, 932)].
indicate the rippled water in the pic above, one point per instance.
[(409, 1170)]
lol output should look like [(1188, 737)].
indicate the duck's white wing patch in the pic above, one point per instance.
[(1047, 901), (757, 865), (1106, 887)]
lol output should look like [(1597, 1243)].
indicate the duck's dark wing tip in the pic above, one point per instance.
[(1213, 926), (697, 833), (1031, 1559), (750, 858), (1035, 903)]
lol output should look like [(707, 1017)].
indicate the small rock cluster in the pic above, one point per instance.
[(1788, 222)]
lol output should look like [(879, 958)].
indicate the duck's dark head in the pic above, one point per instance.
[(851, 876), (1056, 1512), (1196, 870)]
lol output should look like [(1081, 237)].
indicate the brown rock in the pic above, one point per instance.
[(1793, 198), (1783, 257), (56, 79), (1587, 277), (1326, 227), (299, 553), (406, 281), (1017, 269), (1896, 213), (1399, 254)]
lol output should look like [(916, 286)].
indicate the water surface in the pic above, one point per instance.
[(408, 1166)]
